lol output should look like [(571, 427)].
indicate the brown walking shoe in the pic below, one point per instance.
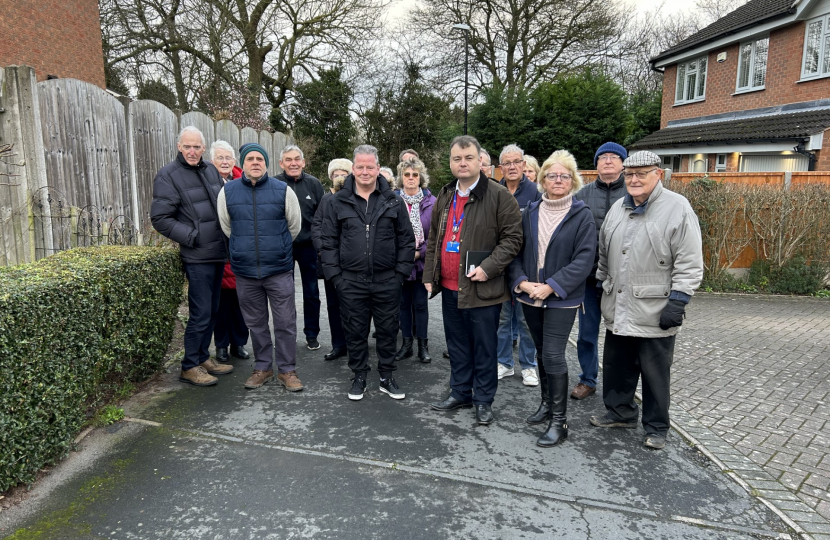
[(197, 376), (258, 378), (215, 368), (581, 391), (290, 381)]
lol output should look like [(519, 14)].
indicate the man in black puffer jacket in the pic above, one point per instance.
[(599, 196), (368, 252), (184, 210)]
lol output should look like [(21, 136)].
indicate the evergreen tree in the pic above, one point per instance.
[(157, 91)]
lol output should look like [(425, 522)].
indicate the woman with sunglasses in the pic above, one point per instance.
[(548, 277)]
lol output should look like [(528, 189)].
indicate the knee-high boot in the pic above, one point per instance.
[(558, 427), (542, 414)]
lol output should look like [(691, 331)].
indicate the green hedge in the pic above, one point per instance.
[(73, 327)]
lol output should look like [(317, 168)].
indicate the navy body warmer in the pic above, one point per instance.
[(260, 243)]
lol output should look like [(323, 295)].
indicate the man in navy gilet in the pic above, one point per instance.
[(261, 216)]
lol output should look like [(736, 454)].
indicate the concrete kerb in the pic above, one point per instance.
[(752, 478)]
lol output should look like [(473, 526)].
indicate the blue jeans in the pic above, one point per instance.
[(471, 342), (204, 284), (510, 312), (586, 344)]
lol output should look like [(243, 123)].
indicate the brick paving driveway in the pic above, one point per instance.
[(756, 371)]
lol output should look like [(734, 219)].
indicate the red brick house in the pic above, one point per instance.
[(750, 92), (61, 38)]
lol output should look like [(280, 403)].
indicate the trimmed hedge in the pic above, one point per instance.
[(73, 327)]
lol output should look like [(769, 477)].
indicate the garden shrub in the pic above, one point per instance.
[(70, 324)]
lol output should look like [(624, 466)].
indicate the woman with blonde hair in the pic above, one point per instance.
[(339, 170), (548, 277), (531, 168)]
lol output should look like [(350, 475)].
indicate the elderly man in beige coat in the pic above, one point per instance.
[(650, 264)]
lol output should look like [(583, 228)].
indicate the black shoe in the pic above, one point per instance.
[(239, 352), (358, 387), (655, 442), (312, 344), (484, 415), (423, 351), (337, 352), (542, 414), (406, 349), (222, 354), (557, 430), (390, 387), (450, 404), (446, 355), (608, 422)]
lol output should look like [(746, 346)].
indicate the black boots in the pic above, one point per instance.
[(423, 351), (557, 428), (222, 354), (405, 350), (542, 414)]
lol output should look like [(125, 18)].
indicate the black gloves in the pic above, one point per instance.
[(672, 314)]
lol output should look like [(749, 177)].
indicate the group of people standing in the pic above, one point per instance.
[(513, 260)]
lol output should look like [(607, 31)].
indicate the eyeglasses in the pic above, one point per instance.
[(411, 175), (510, 164), (224, 158), (641, 175), (565, 177), (609, 157)]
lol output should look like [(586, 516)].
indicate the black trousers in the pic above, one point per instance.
[(550, 329), (414, 309), (306, 257), (230, 326), (624, 359), (338, 337), (360, 302), (471, 342)]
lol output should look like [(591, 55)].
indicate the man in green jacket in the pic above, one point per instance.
[(650, 264), (476, 232)]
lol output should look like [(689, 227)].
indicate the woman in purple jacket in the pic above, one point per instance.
[(413, 179)]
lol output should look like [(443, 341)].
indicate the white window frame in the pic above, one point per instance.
[(753, 55), (720, 166), (823, 49), (686, 75)]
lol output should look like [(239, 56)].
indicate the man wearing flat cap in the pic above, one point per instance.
[(650, 264), (261, 216)]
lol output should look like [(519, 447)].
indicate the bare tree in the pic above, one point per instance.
[(713, 10), (514, 44)]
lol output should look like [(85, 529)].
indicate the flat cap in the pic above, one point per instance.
[(644, 158)]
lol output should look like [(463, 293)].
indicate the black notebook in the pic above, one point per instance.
[(474, 259)]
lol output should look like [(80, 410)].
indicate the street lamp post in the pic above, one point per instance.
[(466, 29)]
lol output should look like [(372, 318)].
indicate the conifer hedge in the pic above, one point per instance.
[(72, 327)]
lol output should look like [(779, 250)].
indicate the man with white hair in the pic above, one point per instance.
[(309, 193), (184, 210)]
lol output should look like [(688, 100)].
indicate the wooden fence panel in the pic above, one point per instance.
[(248, 135), (153, 129), (85, 146), (280, 142), (266, 142), (811, 177), (203, 122), (228, 132), (751, 178)]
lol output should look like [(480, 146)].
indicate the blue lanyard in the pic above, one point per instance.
[(456, 223)]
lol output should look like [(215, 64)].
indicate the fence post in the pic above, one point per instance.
[(22, 129), (788, 180), (128, 124), (667, 175)]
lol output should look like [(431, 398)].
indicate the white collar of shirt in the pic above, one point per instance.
[(465, 193)]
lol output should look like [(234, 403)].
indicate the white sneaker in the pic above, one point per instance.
[(529, 377), (505, 371)]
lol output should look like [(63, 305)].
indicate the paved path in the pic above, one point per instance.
[(224, 462)]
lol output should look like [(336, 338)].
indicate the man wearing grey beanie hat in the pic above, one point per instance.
[(650, 264)]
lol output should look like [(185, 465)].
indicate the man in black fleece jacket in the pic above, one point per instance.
[(309, 193)]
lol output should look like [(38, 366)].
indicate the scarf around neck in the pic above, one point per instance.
[(414, 202)]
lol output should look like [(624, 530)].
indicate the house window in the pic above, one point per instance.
[(752, 65), (720, 164), (672, 163), (691, 81), (816, 61)]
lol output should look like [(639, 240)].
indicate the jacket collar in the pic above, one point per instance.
[(523, 181), (619, 182), (480, 190), (628, 200), (247, 181)]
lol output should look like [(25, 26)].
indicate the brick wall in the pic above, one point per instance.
[(56, 37), (783, 72)]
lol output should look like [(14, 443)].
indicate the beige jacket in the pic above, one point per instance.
[(643, 258)]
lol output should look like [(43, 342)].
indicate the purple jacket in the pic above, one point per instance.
[(426, 217)]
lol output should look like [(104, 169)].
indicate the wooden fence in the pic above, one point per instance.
[(77, 164)]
